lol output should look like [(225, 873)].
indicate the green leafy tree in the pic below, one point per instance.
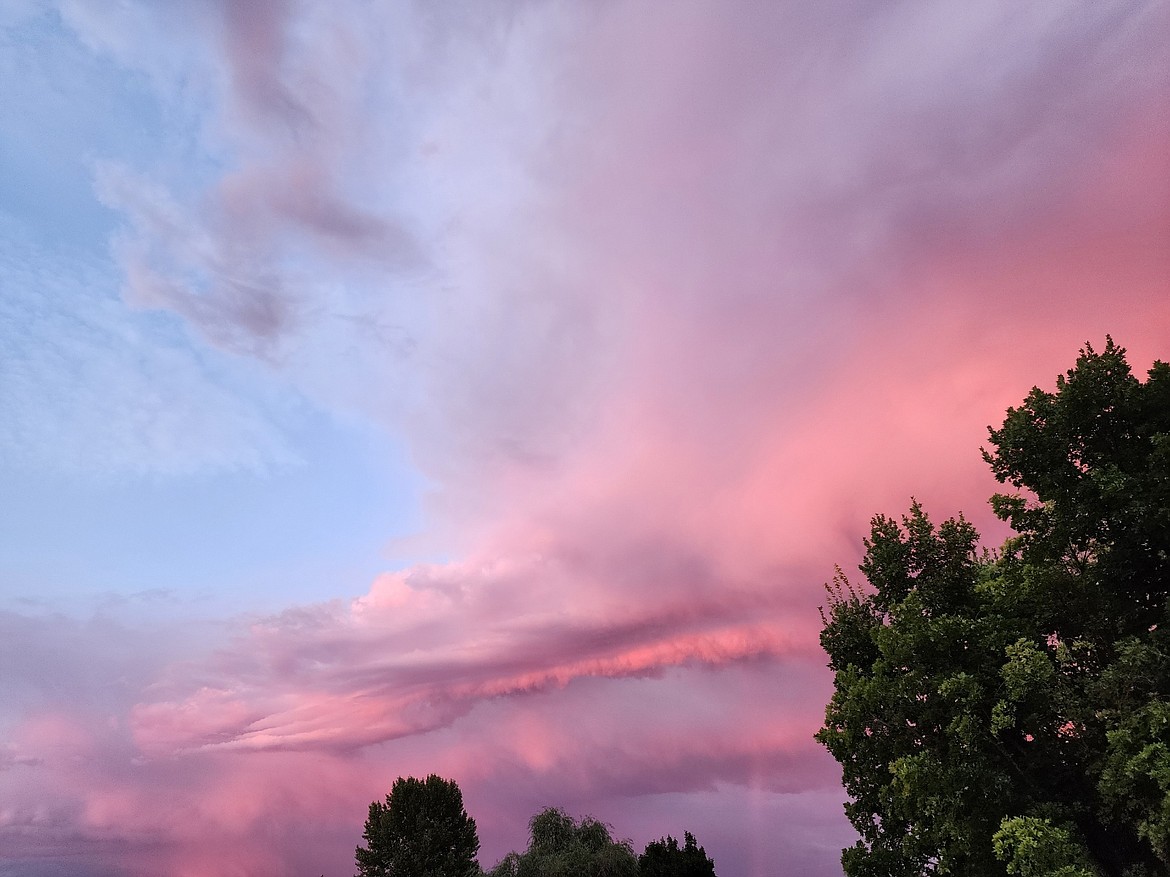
[(421, 830), (562, 847), (1032, 847), (1009, 712), (664, 858)]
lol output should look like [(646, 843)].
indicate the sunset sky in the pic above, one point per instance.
[(489, 388)]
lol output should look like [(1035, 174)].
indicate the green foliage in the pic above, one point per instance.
[(562, 847), (1034, 847), (1095, 455), (1135, 772), (1009, 713), (664, 858), (421, 830)]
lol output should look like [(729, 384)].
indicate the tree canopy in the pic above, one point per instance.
[(1008, 712), (560, 846), (421, 830), (664, 858)]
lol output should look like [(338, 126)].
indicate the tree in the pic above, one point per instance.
[(421, 830), (559, 846), (663, 858), (1009, 712)]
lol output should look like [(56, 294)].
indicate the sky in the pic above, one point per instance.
[(489, 389)]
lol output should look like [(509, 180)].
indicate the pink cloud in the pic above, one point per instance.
[(415, 654)]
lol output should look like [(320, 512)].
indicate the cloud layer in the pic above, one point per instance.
[(666, 304)]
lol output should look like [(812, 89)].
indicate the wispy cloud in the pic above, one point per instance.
[(91, 390)]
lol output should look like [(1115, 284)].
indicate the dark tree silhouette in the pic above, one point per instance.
[(1009, 712), (421, 830), (664, 858), (562, 847)]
